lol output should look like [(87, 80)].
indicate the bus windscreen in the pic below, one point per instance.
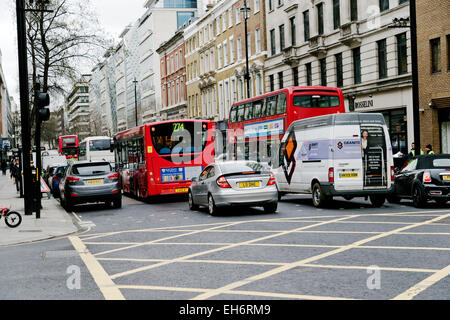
[(179, 137), (70, 151), (100, 145)]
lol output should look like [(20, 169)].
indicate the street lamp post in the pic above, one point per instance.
[(245, 10), (135, 101)]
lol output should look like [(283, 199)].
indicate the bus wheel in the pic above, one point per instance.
[(319, 199), (377, 200), (192, 205)]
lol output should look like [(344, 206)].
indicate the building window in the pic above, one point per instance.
[(435, 45), (280, 80), (271, 83), (224, 22), (353, 10), (225, 53), (336, 14), (219, 56), (271, 5), (323, 72), (384, 5), (339, 71), (230, 18), (231, 49), (292, 25), (272, 41), (448, 52), (306, 25), (259, 84), (308, 74), (239, 49), (295, 76), (280, 2), (257, 6), (382, 59), (249, 51), (238, 15), (402, 1), (258, 40), (320, 18), (402, 54), (356, 65), (282, 43)]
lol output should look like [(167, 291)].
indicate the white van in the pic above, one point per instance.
[(345, 154)]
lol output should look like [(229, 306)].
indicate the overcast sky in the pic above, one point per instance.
[(114, 15)]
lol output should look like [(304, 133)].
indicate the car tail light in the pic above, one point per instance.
[(426, 176), (330, 174), (72, 179), (113, 176), (392, 173), (271, 180), (222, 182)]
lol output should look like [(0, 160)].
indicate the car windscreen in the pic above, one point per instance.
[(99, 145), (315, 101), (179, 137), (91, 169), (69, 151), (242, 167)]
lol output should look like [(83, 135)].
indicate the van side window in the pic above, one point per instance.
[(248, 111), (281, 103), (240, 113), (233, 114), (271, 105), (257, 106)]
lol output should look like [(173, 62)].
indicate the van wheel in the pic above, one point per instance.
[(377, 200), (319, 199)]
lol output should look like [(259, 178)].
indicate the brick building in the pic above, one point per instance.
[(433, 42)]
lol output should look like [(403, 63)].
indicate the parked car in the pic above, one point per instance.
[(426, 177), (345, 154), (53, 180), (234, 183), (49, 172), (86, 181)]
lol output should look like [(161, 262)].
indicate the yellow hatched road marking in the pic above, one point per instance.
[(101, 278), (289, 266)]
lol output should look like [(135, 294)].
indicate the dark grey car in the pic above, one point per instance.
[(86, 181)]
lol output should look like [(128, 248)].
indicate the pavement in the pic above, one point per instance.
[(54, 220)]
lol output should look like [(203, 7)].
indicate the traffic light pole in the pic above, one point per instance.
[(24, 106), (38, 164)]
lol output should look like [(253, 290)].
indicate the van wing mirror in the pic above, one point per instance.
[(112, 146)]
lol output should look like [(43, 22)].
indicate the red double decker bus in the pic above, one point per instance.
[(69, 146), (260, 122), (162, 157)]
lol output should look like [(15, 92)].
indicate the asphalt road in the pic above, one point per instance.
[(162, 250)]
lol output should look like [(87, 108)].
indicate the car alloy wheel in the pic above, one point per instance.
[(192, 205), (212, 209)]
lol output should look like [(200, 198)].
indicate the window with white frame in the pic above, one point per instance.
[(231, 49), (225, 53), (213, 62), (233, 91), (257, 6), (181, 58), (258, 40), (230, 18), (238, 15), (239, 48), (219, 56), (217, 27), (259, 84), (224, 21)]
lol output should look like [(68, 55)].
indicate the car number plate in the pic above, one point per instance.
[(249, 184), (95, 181), (446, 178), (181, 190), (349, 175)]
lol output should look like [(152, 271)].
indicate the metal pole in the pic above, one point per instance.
[(24, 105), (135, 101), (247, 75), (38, 163), (415, 75)]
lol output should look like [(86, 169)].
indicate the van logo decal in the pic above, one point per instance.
[(340, 145), (289, 159)]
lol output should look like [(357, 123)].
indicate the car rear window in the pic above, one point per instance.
[(239, 167), (91, 169), (441, 163)]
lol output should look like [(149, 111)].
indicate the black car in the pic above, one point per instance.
[(426, 177), (86, 181), (54, 180)]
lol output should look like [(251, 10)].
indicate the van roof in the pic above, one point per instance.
[(339, 119)]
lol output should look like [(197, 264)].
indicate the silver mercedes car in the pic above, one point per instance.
[(234, 183)]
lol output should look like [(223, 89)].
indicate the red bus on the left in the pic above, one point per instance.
[(69, 146)]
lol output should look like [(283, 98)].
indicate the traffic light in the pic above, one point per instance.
[(42, 101)]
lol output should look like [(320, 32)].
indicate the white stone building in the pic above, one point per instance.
[(347, 44), (78, 108)]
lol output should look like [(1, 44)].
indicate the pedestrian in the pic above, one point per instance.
[(17, 174), (4, 167), (429, 149)]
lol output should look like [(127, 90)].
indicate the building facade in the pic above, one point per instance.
[(173, 77), (348, 44), (6, 125), (433, 42), (78, 108)]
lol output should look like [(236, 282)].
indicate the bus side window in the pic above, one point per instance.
[(257, 109), (271, 105), (240, 113), (281, 105), (248, 111), (233, 114), (264, 107)]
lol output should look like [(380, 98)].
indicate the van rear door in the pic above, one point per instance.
[(347, 157)]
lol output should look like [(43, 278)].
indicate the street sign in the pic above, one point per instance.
[(44, 187)]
